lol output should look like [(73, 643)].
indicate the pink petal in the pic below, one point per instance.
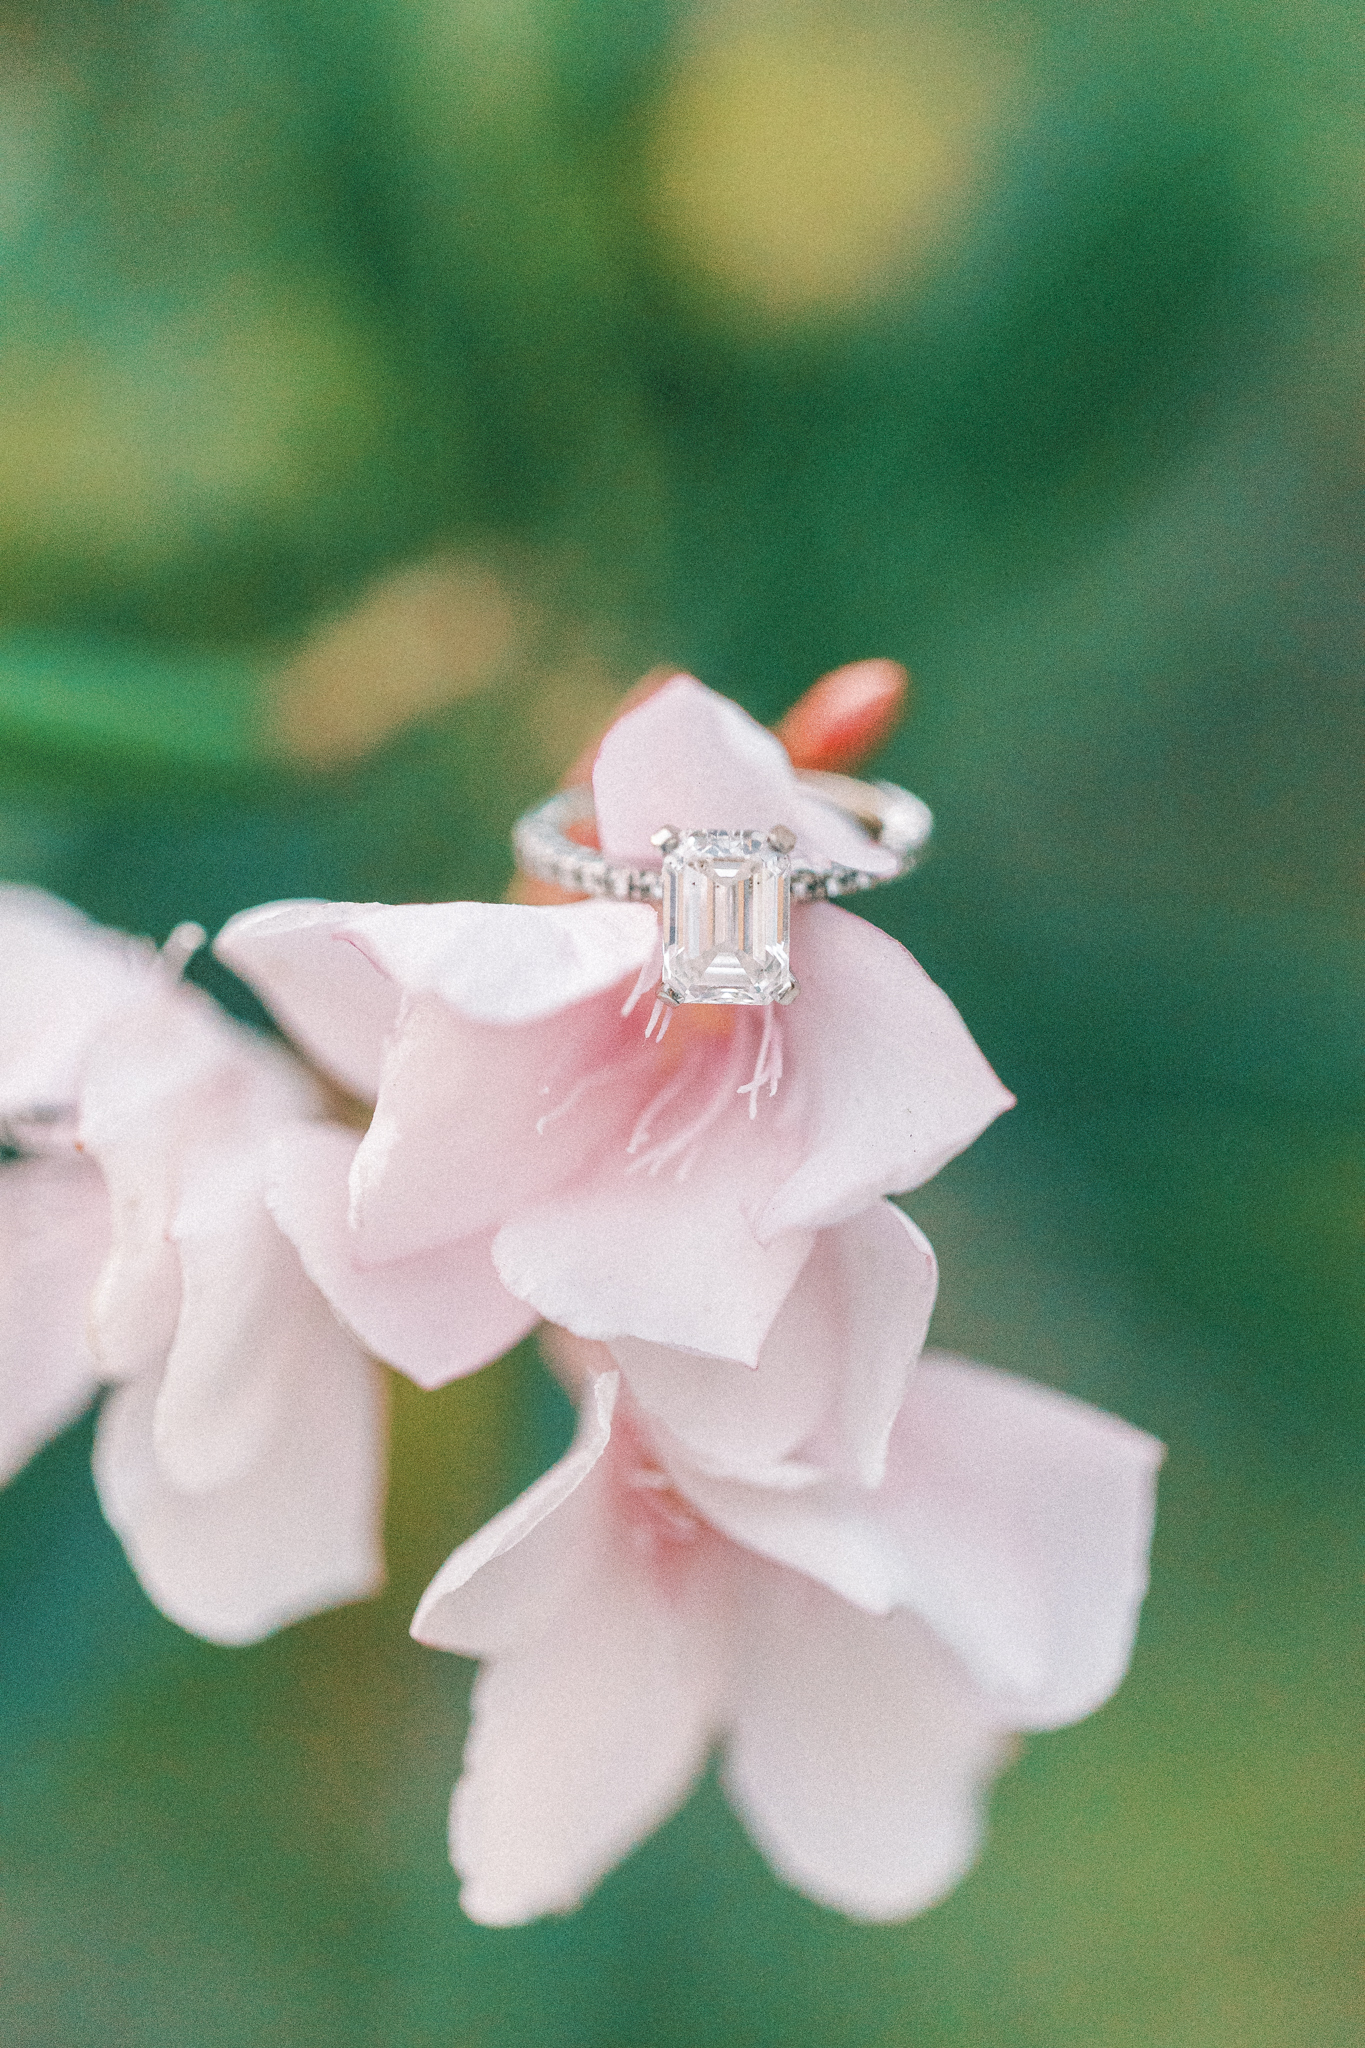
[(486, 1089), (296, 1531), (336, 974), (169, 1076), (64, 979), (826, 1528), (435, 1316), (881, 1302), (501, 1589), (858, 1750), (329, 998), (506, 963), (580, 1747), (832, 1371), (898, 1086), (677, 1262), (1024, 1520), (687, 757), (593, 1720), (1013, 1520), (242, 1300), (474, 1120), (54, 1232), (138, 1110)]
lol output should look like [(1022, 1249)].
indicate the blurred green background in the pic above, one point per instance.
[(383, 385)]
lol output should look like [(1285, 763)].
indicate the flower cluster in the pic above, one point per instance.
[(239, 1452), (781, 1535)]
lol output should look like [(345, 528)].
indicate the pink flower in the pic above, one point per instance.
[(859, 1659), (239, 1453), (831, 1375), (532, 1153)]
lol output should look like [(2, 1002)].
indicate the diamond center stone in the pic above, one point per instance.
[(726, 914)]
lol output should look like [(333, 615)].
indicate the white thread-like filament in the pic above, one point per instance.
[(645, 1121), (684, 1141), (648, 976), (615, 1070), (768, 1065)]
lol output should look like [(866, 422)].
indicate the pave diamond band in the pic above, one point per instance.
[(891, 817)]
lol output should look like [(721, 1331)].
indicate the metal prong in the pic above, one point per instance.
[(789, 994), (666, 838), (782, 837)]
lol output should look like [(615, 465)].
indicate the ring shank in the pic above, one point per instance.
[(891, 817)]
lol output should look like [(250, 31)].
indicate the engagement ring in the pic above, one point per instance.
[(725, 893)]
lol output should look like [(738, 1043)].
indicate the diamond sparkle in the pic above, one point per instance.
[(726, 918)]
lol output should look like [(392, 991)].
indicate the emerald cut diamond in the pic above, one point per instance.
[(726, 913)]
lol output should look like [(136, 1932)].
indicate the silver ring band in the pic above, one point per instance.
[(891, 817)]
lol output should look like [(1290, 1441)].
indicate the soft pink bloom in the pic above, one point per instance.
[(859, 1658), (239, 1454), (831, 1374), (532, 1153)]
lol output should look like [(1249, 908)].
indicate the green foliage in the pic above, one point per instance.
[(292, 295)]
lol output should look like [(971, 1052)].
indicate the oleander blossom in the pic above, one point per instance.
[(832, 1372), (860, 1660), (535, 1152), (239, 1450)]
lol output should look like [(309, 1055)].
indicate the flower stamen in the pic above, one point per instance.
[(600, 1077), (648, 978), (657, 1103), (684, 1141), (768, 1065)]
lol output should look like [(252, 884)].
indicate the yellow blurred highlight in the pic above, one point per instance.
[(421, 639), (804, 170), (133, 445), (431, 634)]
